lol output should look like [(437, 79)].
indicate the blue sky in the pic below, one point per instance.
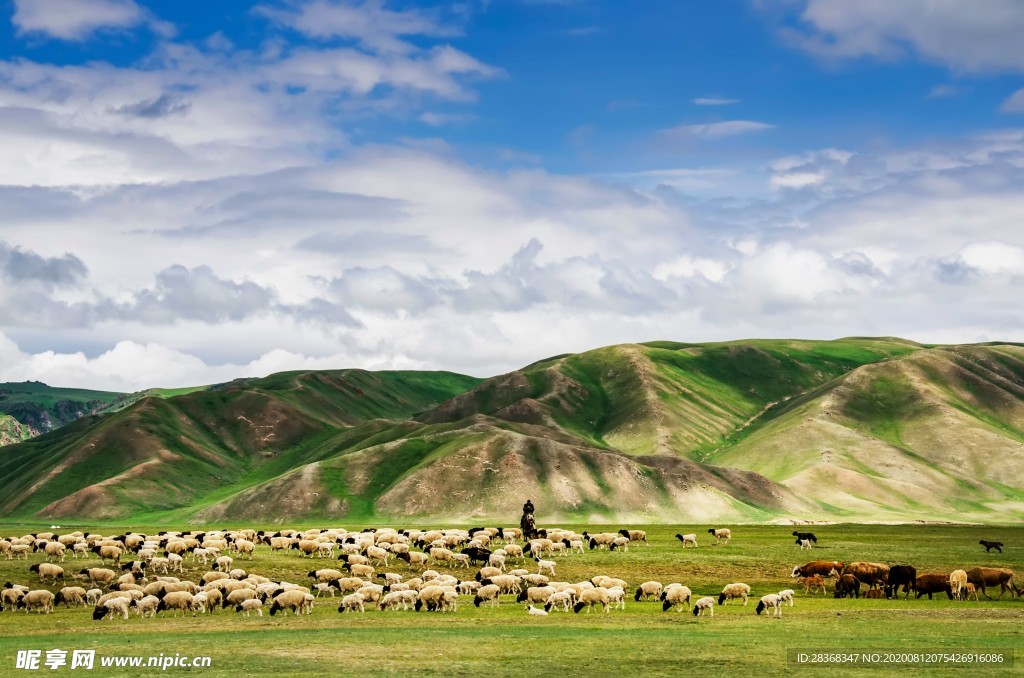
[(197, 191)]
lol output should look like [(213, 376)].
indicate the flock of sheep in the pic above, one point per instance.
[(146, 574)]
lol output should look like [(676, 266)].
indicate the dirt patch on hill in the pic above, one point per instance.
[(296, 494)]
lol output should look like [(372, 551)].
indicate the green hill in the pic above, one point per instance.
[(758, 430), (43, 408)]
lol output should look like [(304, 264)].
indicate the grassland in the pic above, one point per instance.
[(505, 641)]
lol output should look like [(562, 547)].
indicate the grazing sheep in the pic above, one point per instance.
[(92, 596), (40, 598), (10, 597), (675, 595), (649, 589), (327, 575), (957, 583), (70, 595), (787, 596), (619, 542), (44, 570), (352, 602), (414, 558), (720, 535), (251, 605), (324, 588), (238, 596), (111, 553), (112, 607), (590, 597), (223, 563), (244, 547), (393, 599), (433, 597), (177, 600), (536, 594), (545, 566), (507, 583), (635, 535), (488, 593), (704, 606), (55, 550), (176, 561), (736, 590), (772, 600), (99, 575), (146, 607), (536, 612), (560, 600), (989, 545), (617, 596), (688, 539), (293, 600)]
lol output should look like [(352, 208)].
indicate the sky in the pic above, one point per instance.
[(192, 192)]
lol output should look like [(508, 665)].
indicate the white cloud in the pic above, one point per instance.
[(714, 101), (716, 130), (1014, 103), (943, 91), (960, 35), (79, 19)]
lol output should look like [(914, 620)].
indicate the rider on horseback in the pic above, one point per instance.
[(527, 523)]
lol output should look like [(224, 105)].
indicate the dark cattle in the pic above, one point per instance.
[(805, 535), (871, 574), (992, 576), (933, 583), (822, 567), (989, 545), (847, 585), (900, 575)]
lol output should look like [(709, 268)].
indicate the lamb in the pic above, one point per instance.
[(804, 544), (647, 590), (112, 607), (559, 600), (574, 545), (617, 595), (590, 597), (677, 594), (787, 596), (619, 542), (176, 562), (957, 583), (223, 563), (487, 593), (635, 535), (545, 565), (44, 570), (395, 598), (688, 540), (536, 612), (772, 600), (147, 606), (70, 595), (324, 588), (467, 588), (159, 564), (737, 590), (352, 602), (497, 560), (703, 606), (92, 596), (40, 598), (720, 534), (251, 605)]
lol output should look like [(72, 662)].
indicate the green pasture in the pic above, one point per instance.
[(506, 641)]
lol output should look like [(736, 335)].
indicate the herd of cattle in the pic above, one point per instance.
[(150, 571)]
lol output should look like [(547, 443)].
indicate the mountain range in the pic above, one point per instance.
[(756, 430)]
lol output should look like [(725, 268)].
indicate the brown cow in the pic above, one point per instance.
[(819, 567), (933, 583), (847, 585), (991, 576), (814, 582), (872, 574), (873, 593)]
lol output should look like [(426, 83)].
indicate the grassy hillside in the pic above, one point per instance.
[(44, 408), (161, 454), (869, 429)]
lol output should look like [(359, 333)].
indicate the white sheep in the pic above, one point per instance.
[(648, 589), (560, 600), (352, 602), (787, 596), (488, 593), (805, 544), (93, 595), (546, 566), (736, 590), (590, 597), (704, 606), (675, 595), (617, 596), (146, 607), (721, 535), (772, 600), (247, 606), (688, 539), (535, 611)]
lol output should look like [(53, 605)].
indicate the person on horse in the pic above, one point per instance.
[(527, 523)]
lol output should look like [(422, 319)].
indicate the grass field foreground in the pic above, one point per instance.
[(506, 641)]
